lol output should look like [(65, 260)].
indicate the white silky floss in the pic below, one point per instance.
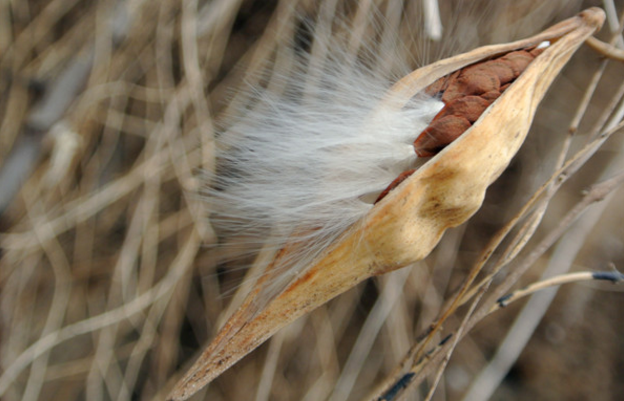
[(305, 165)]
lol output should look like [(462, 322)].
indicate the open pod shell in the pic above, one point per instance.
[(406, 225)]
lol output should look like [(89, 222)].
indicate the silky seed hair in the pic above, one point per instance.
[(312, 151), (307, 147)]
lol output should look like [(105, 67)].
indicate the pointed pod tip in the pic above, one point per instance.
[(593, 16)]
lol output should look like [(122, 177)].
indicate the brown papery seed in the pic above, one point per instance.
[(440, 133), (469, 107)]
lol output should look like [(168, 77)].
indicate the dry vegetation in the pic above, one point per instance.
[(109, 286)]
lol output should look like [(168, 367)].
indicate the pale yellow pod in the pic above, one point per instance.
[(405, 226)]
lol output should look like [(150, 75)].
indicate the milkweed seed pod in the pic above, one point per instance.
[(466, 94), (407, 223)]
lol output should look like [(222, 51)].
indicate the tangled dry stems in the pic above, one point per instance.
[(107, 288)]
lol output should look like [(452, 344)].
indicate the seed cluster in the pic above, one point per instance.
[(466, 94)]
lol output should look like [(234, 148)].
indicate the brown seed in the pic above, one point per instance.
[(493, 95), (440, 85), (469, 107), (518, 60), (471, 82), (402, 177), (504, 87), (501, 68), (440, 133)]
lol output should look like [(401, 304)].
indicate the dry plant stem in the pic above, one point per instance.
[(525, 323), (81, 209), (611, 115), (373, 324), (551, 186), (606, 49), (419, 370), (594, 82), (49, 111), (557, 179), (108, 117), (596, 193), (614, 277), (62, 273), (407, 224), (165, 288), (466, 292), (256, 57), (397, 385), (455, 340), (612, 23)]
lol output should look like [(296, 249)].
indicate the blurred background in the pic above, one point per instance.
[(110, 281)]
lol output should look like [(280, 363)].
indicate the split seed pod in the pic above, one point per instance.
[(405, 225)]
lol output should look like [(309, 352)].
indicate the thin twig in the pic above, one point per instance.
[(614, 277)]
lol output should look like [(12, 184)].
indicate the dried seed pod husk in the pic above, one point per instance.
[(406, 224)]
